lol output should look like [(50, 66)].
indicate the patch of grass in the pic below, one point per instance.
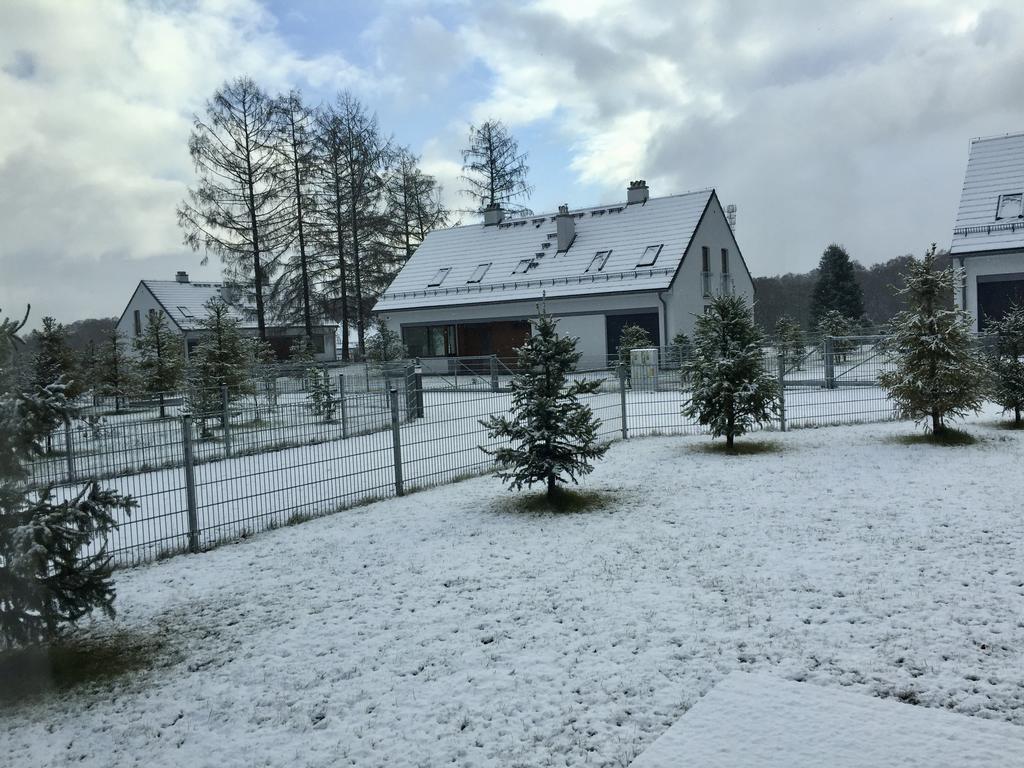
[(564, 501), (741, 447), (947, 438), (28, 673), (1009, 425)]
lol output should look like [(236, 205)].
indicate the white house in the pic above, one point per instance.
[(183, 302), (654, 262), (988, 239)]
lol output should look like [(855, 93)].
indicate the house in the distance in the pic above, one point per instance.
[(654, 262), (988, 239), (183, 302)]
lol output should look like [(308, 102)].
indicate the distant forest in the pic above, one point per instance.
[(790, 294)]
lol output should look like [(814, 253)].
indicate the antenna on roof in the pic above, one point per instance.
[(730, 214)]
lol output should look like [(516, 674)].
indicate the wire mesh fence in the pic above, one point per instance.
[(222, 464)]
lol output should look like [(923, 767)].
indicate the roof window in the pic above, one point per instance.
[(185, 311), (523, 266), (650, 256), (439, 277), (1010, 207), (479, 272), (597, 263)]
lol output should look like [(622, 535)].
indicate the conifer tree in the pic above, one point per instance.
[(114, 372), (1008, 362), (55, 360), (160, 360), (46, 580), (385, 345), (838, 327), (552, 435), (939, 373), (789, 340), (223, 358), (632, 337), (837, 288), (731, 389)]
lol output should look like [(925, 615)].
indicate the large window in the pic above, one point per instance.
[(429, 340), (1010, 206), (138, 323), (523, 266)]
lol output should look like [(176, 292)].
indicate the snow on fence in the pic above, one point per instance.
[(270, 457)]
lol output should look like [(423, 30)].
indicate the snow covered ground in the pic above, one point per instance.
[(446, 628)]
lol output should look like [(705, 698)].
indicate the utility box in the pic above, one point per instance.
[(643, 368)]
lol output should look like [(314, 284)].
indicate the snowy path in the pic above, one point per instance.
[(442, 628)]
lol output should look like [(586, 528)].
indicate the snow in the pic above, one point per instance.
[(445, 628), (758, 721)]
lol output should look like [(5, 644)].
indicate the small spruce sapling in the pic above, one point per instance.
[(552, 435), (838, 327), (161, 363), (1008, 363), (731, 389), (939, 373), (632, 337), (114, 374), (385, 345), (790, 342)]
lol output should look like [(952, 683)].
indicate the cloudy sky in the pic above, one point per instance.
[(849, 124)]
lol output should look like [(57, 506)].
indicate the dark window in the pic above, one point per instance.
[(615, 323), (138, 323), (705, 256), (479, 272), (725, 261), (650, 256), (995, 297), (429, 340), (439, 277), (523, 266), (597, 263)]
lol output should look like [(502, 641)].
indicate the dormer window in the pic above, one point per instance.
[(479, 272), (650, 256), (597, 263), (439, 277), (523, 266), (1010, 207)]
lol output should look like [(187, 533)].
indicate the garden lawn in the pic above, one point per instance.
[(447, 628)]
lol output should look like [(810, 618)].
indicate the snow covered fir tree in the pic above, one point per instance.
[(939, 373), (161, 365), (731, 389), (54, 567), (552, 436), (1008, 363)]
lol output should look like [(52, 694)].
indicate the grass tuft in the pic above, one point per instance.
[(947, 438), (741, 447), (31, 672), (564, 501)]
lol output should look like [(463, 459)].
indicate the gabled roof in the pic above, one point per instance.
[(625, 230), (995, 168)]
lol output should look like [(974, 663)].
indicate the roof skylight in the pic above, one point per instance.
[(597, 263), (185, 311), (479, 272), (523, 266), (1010, 207), (650, 256), (439, 277)]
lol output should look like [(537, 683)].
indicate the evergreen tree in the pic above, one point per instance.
[(790, 341), (552, 435), (838, 327), (939, 373), (731, 390), (46, 580), (322, 400), (494, 169), (54, 360), (223, 358), (385, 345), (115, 369), (837, 288), (161, 364), (1008, 362), (632, 337)]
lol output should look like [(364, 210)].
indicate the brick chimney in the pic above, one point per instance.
[(637, 192), (565, 223), (493, 215), (181, 277)]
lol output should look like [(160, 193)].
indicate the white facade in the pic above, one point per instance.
[(589, 306)]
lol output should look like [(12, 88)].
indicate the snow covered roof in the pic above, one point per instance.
[(641, 247), (185, 303), (991, 214)]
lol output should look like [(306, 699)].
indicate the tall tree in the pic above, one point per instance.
[(54, 360), (54, 566), (295, 141), (238, 208), (494, 170), (161, 362), (837, 287), (553, 435), (938, 371), (413, 206), (223, 358), (1008, 362), (114, 369), (731, 389)]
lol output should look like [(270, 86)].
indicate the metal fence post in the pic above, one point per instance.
[(225, 419), (622, 401), (418, 383), (494, 373), (396, 439), (69, 449), (830, 363), (190, 483), (343, 405), (410, 392), (782, 390)]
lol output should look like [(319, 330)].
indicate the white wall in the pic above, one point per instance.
[(142, 301), (974, 266)]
